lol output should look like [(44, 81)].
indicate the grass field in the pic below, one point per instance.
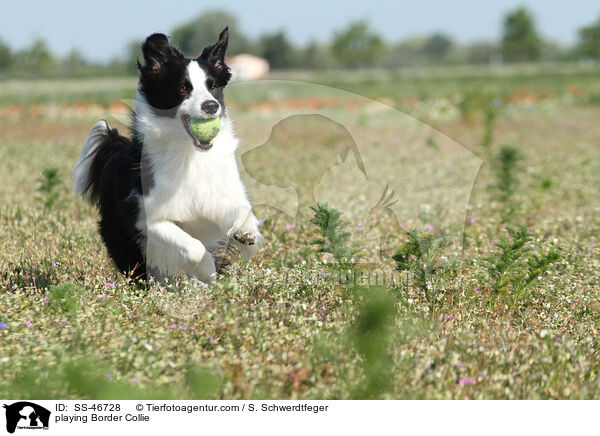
[(464, 322)]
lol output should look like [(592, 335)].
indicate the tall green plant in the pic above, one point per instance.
[(421, 255), (506, 168), (334, 238), (489, 124), (512, 269), (49, 187)]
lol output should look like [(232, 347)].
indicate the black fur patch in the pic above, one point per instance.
[(116, 188)]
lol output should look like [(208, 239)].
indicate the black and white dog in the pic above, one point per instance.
[(169, 202)]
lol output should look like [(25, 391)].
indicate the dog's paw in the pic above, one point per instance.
[(201, 264), (246, 238)]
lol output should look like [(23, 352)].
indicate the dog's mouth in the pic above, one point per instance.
[(202, 145)]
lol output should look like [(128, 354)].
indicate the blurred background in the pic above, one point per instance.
[(73, 39)]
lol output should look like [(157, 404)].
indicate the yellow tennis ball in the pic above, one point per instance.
[(205, 130)]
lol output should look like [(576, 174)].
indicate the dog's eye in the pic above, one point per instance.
[(183, 89)]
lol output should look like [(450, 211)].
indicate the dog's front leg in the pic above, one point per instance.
[(244, 234), (171, 250)]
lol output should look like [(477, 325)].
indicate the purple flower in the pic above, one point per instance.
[(27, 323), (290, 227), (109, 285), (466, 381), (55, 265), (2, 325), (133, 380), (471, 220), (377, 220), (459, 365), (173, 326), (192, 328), (182, 327), (46, 300), (429, 227), (476, 290), (449, 316)]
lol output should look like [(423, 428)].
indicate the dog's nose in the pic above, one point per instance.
[(210, 106)]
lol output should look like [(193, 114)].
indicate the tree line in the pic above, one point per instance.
[(355, 46)]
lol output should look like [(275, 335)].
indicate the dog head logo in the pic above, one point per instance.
[(26, 415)]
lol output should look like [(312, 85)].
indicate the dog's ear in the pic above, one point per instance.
[(157, 52), (214, 54)]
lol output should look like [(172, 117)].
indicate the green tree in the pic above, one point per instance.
[(357, 46), (193, 36), (74, 62), (520, 41), (276, 49), (315, 56), (5, 56), (437, 46), (36, 58), (481, 52), (589, 41)]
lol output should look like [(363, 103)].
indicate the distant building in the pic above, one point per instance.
[(247, 67)]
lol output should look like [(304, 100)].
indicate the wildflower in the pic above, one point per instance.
[(27, 323), (172, 326), (471, 220), (466, 381), (2, 325), (290, 227), (55, 265), (430, 227), (377, 220), (133, 380), (46, 300), (449, 316), (459, 365), (109, 285)]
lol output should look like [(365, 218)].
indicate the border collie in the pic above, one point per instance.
[(168, 202)]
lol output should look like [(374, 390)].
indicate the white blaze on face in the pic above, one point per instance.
[(192, 106)]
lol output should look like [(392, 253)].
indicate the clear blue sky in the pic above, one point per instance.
[(102, 28)]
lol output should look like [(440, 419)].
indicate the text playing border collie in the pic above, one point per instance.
[(168, 201)]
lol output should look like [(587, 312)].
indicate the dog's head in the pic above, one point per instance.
[(180, 88)]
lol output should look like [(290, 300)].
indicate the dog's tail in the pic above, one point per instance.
[(100, 145)]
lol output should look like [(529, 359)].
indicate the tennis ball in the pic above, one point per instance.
[(205, 130)]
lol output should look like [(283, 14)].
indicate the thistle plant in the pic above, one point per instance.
[(421, 255), (507, 165), (489, 123), (48, 189), (512, 269), (334, 238)]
